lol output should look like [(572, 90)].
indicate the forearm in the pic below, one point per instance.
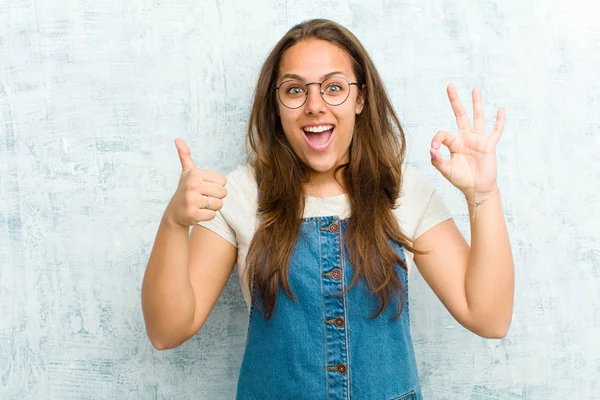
[(489, 278), (168, 299)]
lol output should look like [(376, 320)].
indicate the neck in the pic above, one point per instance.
[(324, 184)]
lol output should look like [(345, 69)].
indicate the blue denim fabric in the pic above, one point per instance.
[(325, 346)]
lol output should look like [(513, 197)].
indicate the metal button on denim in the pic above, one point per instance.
[(341, 368), (336, 274), (334, 228), (339, 322)]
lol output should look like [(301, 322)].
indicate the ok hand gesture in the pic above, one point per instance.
[(472, 165)]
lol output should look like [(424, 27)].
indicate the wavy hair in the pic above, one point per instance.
[(372, 179)]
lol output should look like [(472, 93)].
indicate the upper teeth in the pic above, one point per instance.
[(321, 128)]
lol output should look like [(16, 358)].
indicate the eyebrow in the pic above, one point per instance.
[(295, 76)]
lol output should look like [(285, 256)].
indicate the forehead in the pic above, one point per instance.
[(312, 59)]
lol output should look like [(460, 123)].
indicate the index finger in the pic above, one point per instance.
[(185, 157), (459, 111), (214, 177)]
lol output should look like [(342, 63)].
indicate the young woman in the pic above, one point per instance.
[(324, 223)]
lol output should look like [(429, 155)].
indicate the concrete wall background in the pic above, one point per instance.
[(92, 95)]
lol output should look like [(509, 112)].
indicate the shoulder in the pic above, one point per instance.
[(419, 206), (241, 172), (242, 195), (415, 185), (241, 179)]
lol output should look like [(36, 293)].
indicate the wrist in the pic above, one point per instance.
[(478, 197), (168, 220)]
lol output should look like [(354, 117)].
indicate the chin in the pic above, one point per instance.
[(322, 166)]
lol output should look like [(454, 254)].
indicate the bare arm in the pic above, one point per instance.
[(475, 284), (186, 272)]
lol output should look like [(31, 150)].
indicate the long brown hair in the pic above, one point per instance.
[(372, 179)]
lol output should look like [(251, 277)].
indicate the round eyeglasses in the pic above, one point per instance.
[(334, 91)]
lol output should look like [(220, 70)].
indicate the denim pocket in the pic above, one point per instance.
[(408, 396)]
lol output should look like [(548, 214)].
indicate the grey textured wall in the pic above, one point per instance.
[(92, 94)]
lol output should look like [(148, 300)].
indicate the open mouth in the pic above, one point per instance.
[(318, 137)]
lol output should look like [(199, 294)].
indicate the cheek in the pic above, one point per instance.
[(347, 118), (288, 122)]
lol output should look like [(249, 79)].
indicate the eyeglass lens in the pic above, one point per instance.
[(334, 91)]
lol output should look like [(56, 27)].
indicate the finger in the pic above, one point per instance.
[(204, 215), (459, 111), (213, 190), (439, 163), (442, 137), (214, 177), (499, 126), (184, 155), (211, 203), (478, 120)]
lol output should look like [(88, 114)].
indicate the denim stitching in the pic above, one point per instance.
[(407, 396), (324, 309), (345, 298), (406, 289)]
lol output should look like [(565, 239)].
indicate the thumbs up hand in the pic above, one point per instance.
[(200, 192)]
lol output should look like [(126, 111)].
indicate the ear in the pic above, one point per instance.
[(360, 99)]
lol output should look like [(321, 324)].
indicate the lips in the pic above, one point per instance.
[(319, 137)]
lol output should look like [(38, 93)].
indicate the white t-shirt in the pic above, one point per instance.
[(420, 209)]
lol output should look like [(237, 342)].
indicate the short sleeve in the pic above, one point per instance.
[(435, 212), (420, 205), (220, 226), (223, 224)]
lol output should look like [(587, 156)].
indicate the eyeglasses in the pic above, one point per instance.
[(334, 91)]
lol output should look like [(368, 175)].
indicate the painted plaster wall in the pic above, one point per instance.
[(92, 95)]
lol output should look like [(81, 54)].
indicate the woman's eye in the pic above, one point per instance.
[(295, 90), (333, 88)]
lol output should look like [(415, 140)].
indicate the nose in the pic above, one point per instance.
[(314, 103)]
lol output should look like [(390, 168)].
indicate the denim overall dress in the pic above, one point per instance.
[(324, 346)]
